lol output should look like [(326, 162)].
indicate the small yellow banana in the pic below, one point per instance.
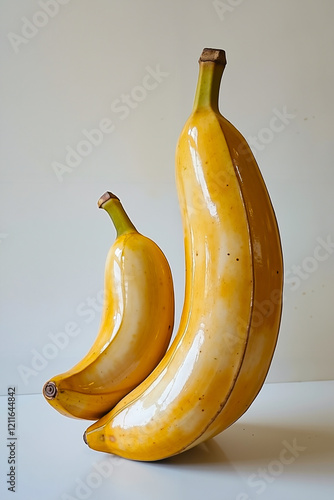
[(228, 330), (136, 325)]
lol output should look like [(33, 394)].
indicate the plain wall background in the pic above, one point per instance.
[(67, 65)]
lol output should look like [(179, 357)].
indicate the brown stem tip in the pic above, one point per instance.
[(217, 56), (84, 437), (50, 390), (105, 197)]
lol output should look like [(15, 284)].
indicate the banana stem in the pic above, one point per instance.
[(211, 66), (112, 205)]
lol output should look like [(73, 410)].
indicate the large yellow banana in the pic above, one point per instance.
[(228, 330), (136, 325)]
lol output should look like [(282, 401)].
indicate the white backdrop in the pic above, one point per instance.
[(129, 69)]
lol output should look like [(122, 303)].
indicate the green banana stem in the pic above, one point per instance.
[(112, 205), (211, 66)]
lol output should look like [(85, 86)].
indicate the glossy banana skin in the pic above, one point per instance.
[(135, 330), (222, 351)]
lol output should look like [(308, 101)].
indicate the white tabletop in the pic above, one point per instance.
[(282, 448)]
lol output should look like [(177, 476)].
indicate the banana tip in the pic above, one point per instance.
[(84, 437), (105, 197), (50, 390), (217, 56)]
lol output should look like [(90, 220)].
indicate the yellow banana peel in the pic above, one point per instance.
[(136, 325), (220, 356)]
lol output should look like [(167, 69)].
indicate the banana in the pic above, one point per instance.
[(136, 324), (228, 330)]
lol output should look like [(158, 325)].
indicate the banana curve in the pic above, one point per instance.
[(135, 328), (222, 351)]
